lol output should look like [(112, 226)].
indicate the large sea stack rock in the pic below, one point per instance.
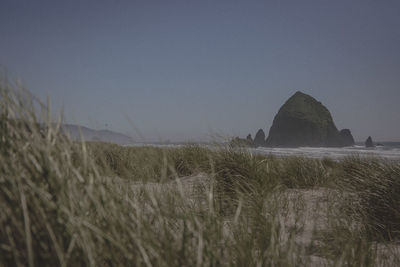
[(259, 139), (303, 121), (369, 142), (346, 137)]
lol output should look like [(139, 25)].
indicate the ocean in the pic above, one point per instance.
[(386, 150)]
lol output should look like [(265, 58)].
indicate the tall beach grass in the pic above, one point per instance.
[(60, 205)]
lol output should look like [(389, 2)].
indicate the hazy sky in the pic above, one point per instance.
[(180, 70)]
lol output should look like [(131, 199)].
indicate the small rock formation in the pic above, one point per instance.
[(249, 138), (241, 142), (369, 143), (259, 139), (346, 137), (304, 121)]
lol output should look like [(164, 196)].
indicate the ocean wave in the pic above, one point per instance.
[(386, 152), (334, 153)]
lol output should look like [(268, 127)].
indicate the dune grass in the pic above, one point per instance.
[(60, 206), (154, 163), (376, 186), (149, 163)]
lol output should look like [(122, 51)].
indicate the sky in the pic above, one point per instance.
[(192, 70)]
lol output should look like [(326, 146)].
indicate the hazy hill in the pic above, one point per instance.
[(77, 132)]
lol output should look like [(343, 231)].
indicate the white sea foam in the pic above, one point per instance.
[(392, 153)]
